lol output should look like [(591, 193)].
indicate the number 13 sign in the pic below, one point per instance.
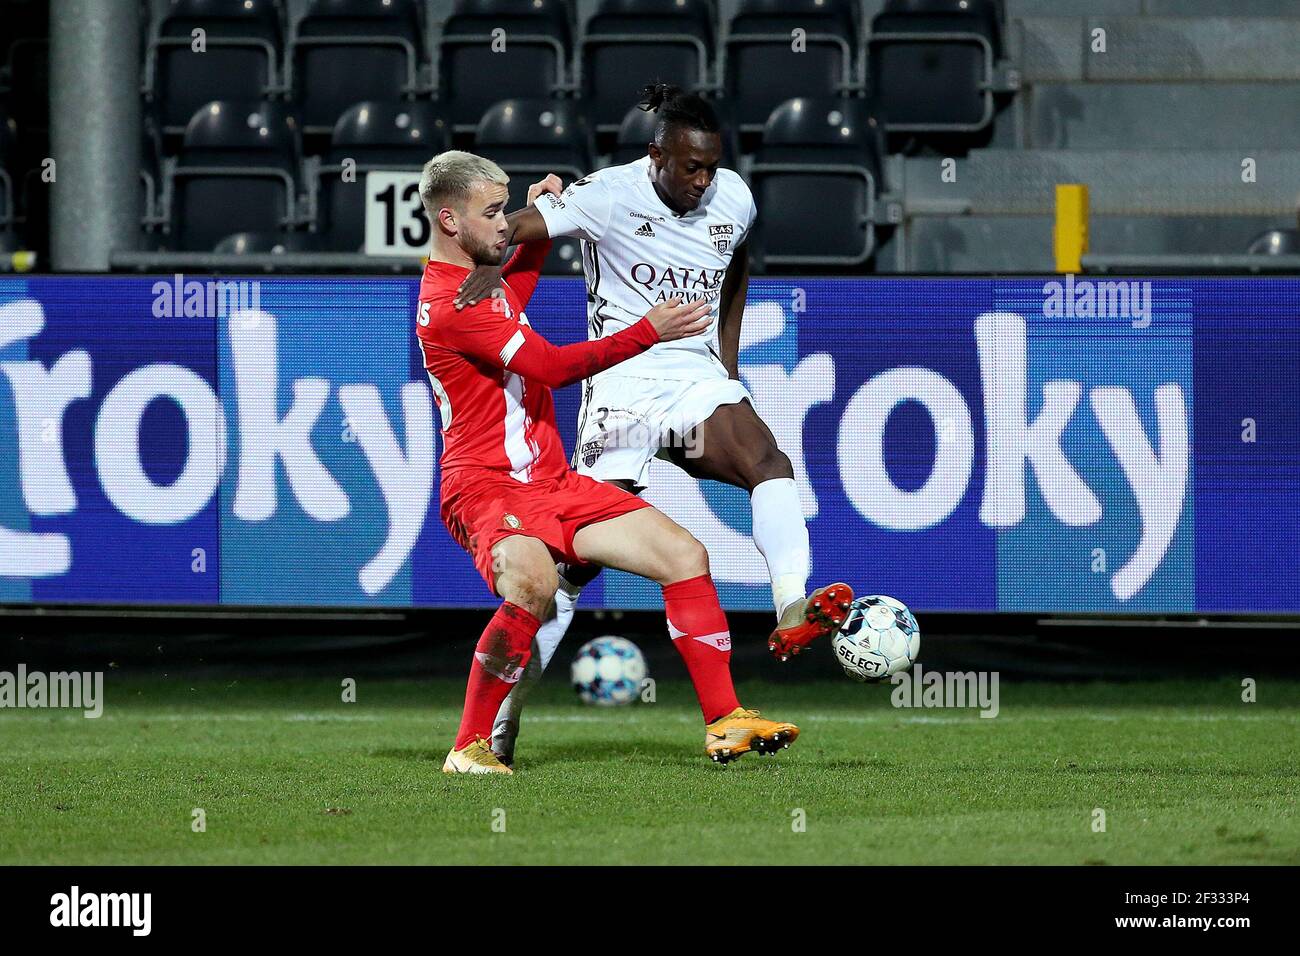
[(395, 220)]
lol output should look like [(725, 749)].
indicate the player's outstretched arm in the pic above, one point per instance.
[(735, 286), (485, 334), (557, 366)]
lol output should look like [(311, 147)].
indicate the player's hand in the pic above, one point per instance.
[(672, 320), (551, 184), (480, 284)]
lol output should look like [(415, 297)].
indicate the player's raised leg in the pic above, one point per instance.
[(524, 577), (735, 446), (647, 543)]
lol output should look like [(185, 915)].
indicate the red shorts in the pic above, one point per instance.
[(482, 507)]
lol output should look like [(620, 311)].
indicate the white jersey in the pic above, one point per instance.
[(636, 253)]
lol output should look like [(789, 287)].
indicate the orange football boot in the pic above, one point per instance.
[(744, 730)]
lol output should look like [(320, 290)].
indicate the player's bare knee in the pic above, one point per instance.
[(532, 592), (687, 558), (527, 582), (772, 463)]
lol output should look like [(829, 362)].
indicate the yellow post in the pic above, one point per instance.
[(1070, 233)]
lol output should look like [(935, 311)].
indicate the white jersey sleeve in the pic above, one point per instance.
[(751, 216), (582, 212)]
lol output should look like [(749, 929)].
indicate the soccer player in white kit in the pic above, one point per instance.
[(671, 224)]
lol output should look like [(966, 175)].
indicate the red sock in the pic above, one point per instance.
[(499, 661), (699, 632)]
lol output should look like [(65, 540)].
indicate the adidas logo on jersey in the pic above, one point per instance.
[(645, 230)]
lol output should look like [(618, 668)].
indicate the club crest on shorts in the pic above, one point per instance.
[(591, 450), (510, 521), (721, 236)]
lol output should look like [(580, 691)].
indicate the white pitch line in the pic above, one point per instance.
[(967, 716)]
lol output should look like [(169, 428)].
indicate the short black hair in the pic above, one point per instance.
[(677, 110)]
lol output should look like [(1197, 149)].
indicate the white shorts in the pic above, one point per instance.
[(625, 422)]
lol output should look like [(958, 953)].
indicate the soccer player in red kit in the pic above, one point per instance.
[(509, 497)]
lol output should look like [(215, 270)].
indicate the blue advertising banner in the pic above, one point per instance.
[(1057, 444)]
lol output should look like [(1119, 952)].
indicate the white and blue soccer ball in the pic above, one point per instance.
[(608, 671), (879, 638)]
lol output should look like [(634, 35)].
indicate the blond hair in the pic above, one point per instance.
[(449, 176)]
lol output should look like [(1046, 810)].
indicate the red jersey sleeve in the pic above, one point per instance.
[(525, 268), (483, 332)]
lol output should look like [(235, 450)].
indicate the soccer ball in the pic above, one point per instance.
[(608, 671), (879, 638)]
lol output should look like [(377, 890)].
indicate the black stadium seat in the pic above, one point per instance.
[(479, 66), (817, 175), (638, 126), (252, 243), (240, 59), (930, 63), (236, 172), (8, 160), (151, 151), (1276, 242), (629, 43), (541, 132), (25, 115), (529, 138), (398, 133), (375, 136), (25, 61), (32, 191), (761, 69), (345, 51)]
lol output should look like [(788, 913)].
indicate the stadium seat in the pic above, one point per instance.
[(1276, 242), (31, 192), (546, 134), (239, 61), (396, 134), (375, 136), (760, 68), (151, 176), (629, 43), (529, 138), (236, 172), (930, 63), (476, 71), (253, 243), (8, 211), (638, 127), (817, 174), (346, 51), (25, 61)]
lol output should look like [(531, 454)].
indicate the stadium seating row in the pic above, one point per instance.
[(340, 52), (241, 170), (241, 182)]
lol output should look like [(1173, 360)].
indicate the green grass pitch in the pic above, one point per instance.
[(287, 773)]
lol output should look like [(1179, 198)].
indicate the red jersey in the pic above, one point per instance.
[(492, 374)]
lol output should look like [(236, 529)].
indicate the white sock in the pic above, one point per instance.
[(547, 640), (552, 632), (781, 536)]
